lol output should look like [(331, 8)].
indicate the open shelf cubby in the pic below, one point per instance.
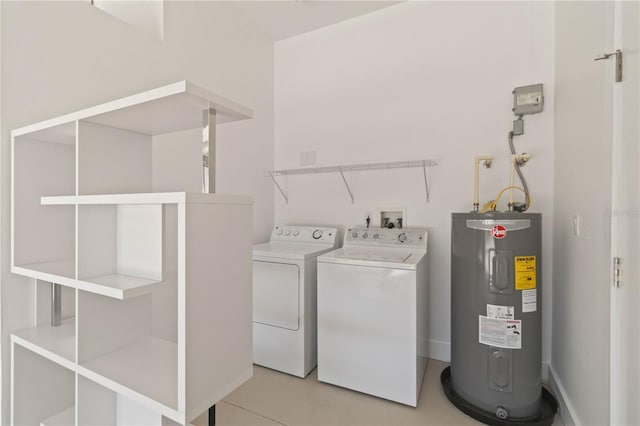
[(44, 236), (155, 275), (41, 389)]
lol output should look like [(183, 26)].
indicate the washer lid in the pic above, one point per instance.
[(381, 257), (294, 251)]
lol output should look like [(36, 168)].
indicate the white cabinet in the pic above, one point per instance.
[(157, 298)]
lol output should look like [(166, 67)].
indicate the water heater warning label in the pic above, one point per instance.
[(529, 300), (499, 311), (500, 333), (525, 271)]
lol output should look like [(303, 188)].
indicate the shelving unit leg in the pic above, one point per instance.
[(212, 415)]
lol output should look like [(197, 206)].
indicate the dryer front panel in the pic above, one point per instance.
[(276, 294)]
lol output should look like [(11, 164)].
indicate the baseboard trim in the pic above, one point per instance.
[(440, 350), (567, 411)]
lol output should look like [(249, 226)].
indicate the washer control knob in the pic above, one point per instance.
[(317, 234), (279, 232), (287, 232), (354, 235), (376, 236), (296, 233), (402, 237), (365, 236)]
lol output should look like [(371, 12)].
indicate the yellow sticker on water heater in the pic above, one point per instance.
[(525, 268)]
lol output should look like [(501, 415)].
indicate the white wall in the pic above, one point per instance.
[(58, 57), (582, 268), (414, 81)]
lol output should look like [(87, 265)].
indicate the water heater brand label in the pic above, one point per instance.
[(499, 232), (525, 272), (500, 333)]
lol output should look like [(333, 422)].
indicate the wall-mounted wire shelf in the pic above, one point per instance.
[(354, 168)]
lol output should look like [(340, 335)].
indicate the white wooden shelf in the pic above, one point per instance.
[(63, 418), (146, 198), (55, 343), (166, 109), (60, 271), (424, 164), (145, 370), (117, 286)]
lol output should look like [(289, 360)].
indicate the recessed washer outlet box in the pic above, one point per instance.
[(392, 216)]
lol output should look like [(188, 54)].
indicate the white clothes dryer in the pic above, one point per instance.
[(372, 313), (284, 297)]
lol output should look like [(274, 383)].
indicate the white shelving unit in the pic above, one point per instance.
[(157, 308), (423, 164)]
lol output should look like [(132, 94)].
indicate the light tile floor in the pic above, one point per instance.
[(271, 398)]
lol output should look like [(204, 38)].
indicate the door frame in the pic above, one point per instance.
[(625, 220)]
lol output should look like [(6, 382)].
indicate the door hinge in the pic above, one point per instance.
[(618, 55), (617, 282)]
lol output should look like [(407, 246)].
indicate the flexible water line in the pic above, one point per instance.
[(515, 159)]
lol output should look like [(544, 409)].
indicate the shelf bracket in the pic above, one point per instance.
[(426, 182), (286, 199), (346, 184)]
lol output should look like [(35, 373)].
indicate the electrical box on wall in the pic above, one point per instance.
[(528, 99), (392, 217)]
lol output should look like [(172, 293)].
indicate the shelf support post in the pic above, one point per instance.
[(346, 184), (426, 183), (209, 151), (286, 199), (56, 304)]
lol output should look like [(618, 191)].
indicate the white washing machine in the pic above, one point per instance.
[(284, 297), (372, 318)]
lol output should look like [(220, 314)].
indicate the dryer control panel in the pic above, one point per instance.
[(304, 234), (384, 237)]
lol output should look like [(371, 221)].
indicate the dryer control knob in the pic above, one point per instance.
[(279, 232), (402, 237), (376, 236), (287, 232), (317, 234), (354, 235), (365, 236), (296, 233)]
